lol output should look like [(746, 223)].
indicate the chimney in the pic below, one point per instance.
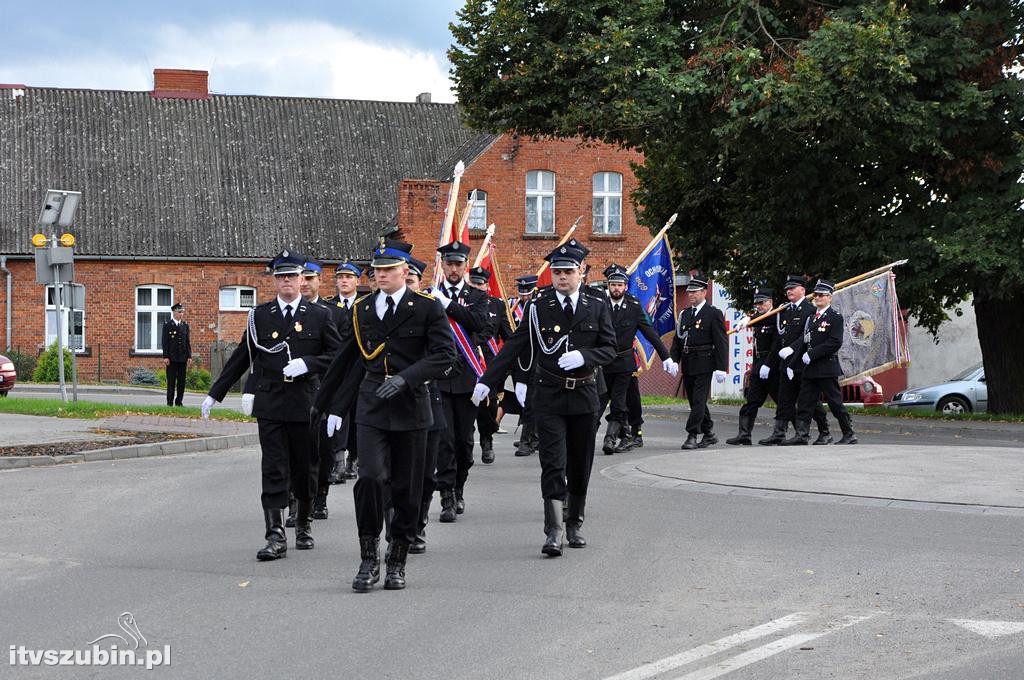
[(423, 98), (173, 83)]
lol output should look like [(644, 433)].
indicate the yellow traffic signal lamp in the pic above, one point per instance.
[(67, 240), (40, 241)]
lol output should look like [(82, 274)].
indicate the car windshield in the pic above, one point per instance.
[(965, 374)]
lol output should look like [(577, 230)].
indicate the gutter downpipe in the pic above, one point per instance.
[(7, 298)]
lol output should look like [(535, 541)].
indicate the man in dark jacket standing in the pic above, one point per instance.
[(818, 352), (177, 349), (569, 336), (288, 342), (764, 372), (701, 348), (501, 327)]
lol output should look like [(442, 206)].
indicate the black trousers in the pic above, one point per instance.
[(566, 453), (176, 382), (618, 393), (811, 392), (455, 453), (758, 391), (391, 467), (324, 447), (698, 391), (789, 393), (287, 459), (636, 413), (429, 478), (487, 418)]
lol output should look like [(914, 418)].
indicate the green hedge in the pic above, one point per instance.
[(197, 378), (24, 364), (47, 367)]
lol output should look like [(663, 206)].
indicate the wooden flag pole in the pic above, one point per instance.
[(842, 284), (654, 241), (484, 246), (565, 238)]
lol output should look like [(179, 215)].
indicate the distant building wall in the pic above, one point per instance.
[(957, 348)]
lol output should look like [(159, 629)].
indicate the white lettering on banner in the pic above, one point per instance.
[(740, 346)]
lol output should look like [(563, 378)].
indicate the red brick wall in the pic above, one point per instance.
[(110, 309), (501, 172)]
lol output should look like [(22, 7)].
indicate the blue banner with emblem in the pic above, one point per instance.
[(652, 281)]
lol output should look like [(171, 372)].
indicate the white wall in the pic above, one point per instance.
[(957, 349)]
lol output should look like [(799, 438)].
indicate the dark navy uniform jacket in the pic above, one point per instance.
[(826, 337), (627, 322), (766, 344), (471, 310), (175, 340), (311, 336), (700, 344), (790, 326)]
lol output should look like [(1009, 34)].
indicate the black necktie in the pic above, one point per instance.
[(287, 315), (390, 311), (453, 292), (568, 308), (346, 304)]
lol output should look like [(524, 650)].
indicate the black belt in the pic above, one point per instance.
[(698, 348), (762, 355), (625, 352), (544, 376)]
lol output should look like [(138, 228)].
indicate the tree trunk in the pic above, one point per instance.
[(1000, 332)]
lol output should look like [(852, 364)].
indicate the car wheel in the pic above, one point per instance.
[(953, 406)]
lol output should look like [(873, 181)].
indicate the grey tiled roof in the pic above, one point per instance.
[(231, 176)]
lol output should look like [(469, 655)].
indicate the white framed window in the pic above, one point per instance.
[(152, 311), (72, 325), (540, 202), (478, 211), (607, 203), (237, 298)]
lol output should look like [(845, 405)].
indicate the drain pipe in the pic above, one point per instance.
[(7, 298)]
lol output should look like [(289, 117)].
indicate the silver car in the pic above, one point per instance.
[(964, 393)]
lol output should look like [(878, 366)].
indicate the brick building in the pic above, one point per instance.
[(187, 193)]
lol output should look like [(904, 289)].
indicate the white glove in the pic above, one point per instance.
[(763, 373), (719, 376), (789, 373), (742, 323), (785, 352), (521, 393), (444, 300), (207, 405), (570, 360), (671, 367), (333, 424), (295, 368), (807, 358), (480, 392)]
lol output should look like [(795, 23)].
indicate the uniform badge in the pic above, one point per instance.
[(823, 327), (410, 303), (697, 324), (298, 327), (274, 335), (558, 328)]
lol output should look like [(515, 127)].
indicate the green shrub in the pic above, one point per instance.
[(197, 378), (142, 376), (47, 367), (24, 364)]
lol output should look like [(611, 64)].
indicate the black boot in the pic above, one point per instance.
[(824, 437), (611, 437), (369, 568), (292, 508), (625, 437), (572, 526), (447, 505), (777, 436), (277, 542), (419, 545), (846, 425), (320, 506), (636, 441), (337, 475), (395, 578), (304, 526), (707, 440), (802, 436), (524, 447), (486, 450), (742, 438), (552, 527), (534, 441), (690, 443), (460, 502), (350, 468)]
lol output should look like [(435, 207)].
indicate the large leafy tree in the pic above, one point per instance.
[(824, 138)]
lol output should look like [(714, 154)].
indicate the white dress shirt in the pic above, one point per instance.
[(349, 302), (294, 304), (575, 297), (381, 302), (458, 288)]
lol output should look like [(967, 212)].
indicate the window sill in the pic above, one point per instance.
[(608, 237), (157, 353), (235, 309), (87, 352), (477, 234), (540, 237)]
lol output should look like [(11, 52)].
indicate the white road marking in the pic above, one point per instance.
[(990, 629), (760, 653), (710, 649)]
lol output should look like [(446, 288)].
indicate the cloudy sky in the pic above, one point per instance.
[(375, 49)]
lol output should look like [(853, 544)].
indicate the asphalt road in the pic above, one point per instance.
[(675, 583)]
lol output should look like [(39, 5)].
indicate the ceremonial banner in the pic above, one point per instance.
[(652, 281), (875, 335), (489, 261)]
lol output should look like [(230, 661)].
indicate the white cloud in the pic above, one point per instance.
[(308, 59)]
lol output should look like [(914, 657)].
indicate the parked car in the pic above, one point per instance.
[(861, 392), (7, 375), (963, 393)]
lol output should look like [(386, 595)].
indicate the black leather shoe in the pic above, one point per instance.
[(290, 522), (552, 528), (395, 577), (707, 440), (320, 506), (739, 441), (337, 475), (690, 443), (795, 440), (369, 568), (487, 452), (824, 439), (636, 440), (778, 434), (304, 526), (350, 468), (418, 547), (848, 438), (277, 542), (448, 506), (576, 507), (460, 502)]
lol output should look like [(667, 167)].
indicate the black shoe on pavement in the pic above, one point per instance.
[(707, 440), (690, 443)]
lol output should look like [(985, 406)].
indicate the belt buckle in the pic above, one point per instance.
[(288, 379), (570, 383)]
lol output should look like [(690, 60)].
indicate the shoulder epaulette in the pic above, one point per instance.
[(358, 300), (426, 295), (338, 304)]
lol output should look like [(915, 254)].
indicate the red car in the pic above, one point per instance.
[(7, 375), (861, 392)]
